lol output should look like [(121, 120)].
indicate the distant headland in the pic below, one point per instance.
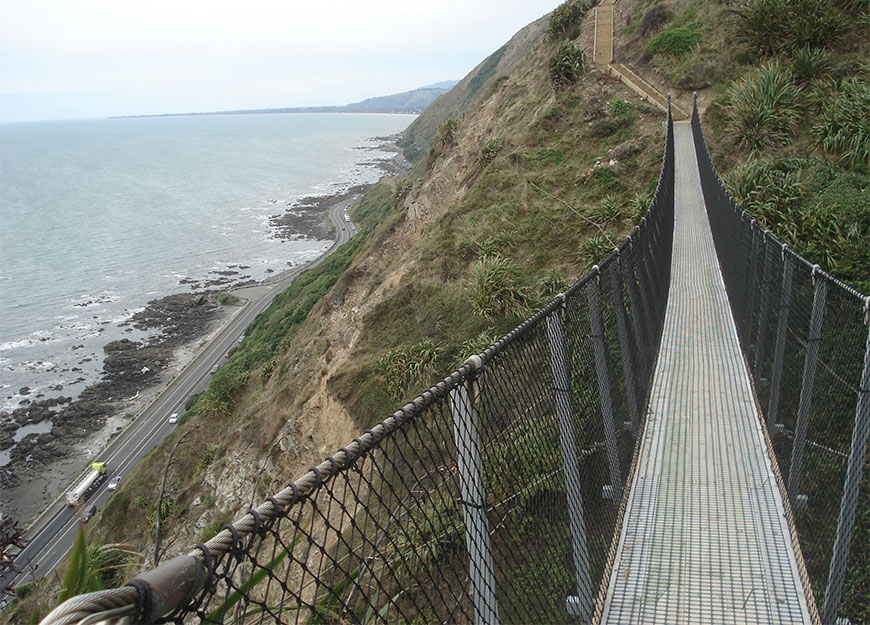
[(409, 102)]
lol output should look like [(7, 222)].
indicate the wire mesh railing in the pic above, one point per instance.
[(804, 335), (492, 497)]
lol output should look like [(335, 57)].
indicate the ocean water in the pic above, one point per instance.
[(98, 217)]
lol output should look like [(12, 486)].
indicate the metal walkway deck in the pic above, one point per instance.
[(705, 539)]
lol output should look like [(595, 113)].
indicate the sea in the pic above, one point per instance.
[(98, 217)]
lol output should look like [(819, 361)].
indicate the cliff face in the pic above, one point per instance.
[(506, 167)]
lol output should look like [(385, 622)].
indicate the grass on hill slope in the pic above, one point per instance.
[(549, 181)]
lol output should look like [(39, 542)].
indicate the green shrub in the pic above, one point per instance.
[(843, 126), (207, 458), (604, 128), (494, 288), (567, 65), (607, 210), (604, 178), (810, 64), (817, 208), (566, 18), (446, 134), (219, 400), (403, 188), (226, 299), (490, 151), (619, 107), (676, 42), (594, 249), (772, 27), (409, 365), (764, 108), (639, 204)]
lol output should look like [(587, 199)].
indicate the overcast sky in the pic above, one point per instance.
[(69, 59)]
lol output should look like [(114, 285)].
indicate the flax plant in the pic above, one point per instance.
[(764, 108), (495, 290), (771, 27), (567, 65), (844, 123)]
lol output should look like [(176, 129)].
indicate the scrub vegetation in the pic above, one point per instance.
[(531, 170)]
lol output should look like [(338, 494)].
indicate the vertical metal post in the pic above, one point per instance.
[(851, 487), (749, 285), (779, 350), (626, 353), (761, 337), (582, 604), (809, 378), (470, 463), (638, 322), (614, 490)]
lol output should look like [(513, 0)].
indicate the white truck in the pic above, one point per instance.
[(87, 483)]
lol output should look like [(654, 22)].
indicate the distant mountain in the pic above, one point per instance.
[(415, 101), (447, 85)]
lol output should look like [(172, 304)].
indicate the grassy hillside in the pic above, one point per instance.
[(519, 187), (786, 87), (527, 172)]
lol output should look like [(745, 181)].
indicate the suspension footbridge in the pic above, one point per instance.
[(680, 437)]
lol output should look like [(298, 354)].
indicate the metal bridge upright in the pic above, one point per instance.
[(705, 536)]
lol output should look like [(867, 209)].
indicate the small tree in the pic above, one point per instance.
[(164, 501)]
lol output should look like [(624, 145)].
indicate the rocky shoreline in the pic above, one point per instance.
[(130, 370), (134, 372)]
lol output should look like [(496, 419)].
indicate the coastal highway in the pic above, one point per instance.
[(51, 535)]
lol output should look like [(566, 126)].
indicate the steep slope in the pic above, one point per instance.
[(519, 188), (465, 95)]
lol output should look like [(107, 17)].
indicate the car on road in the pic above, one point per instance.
[(173, 418), (215, 368), (113, 483)]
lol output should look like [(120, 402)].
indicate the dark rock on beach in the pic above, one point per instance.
[(129, 367), (134, 366), (307, 217)]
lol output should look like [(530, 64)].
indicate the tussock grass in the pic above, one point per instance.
[(771, 27), (764, 108), (843, 127)]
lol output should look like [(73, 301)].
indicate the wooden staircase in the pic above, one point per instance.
[(602, 56)]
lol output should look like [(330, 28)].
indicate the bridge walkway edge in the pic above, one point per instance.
[(705, 537)]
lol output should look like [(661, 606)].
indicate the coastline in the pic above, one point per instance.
[(44, 463)]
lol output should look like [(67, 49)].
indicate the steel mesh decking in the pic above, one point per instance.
[(705, 537)]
